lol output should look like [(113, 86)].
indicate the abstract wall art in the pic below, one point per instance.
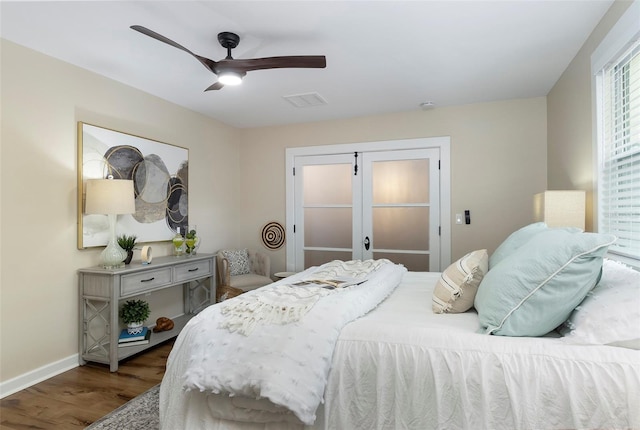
[(160, 173)]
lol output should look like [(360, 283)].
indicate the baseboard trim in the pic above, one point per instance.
[(28, 379)]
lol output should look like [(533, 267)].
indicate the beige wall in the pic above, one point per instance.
[(570, 118), (42, 99), (498, 162), (237, 183)]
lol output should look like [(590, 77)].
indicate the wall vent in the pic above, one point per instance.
[(306, 100)]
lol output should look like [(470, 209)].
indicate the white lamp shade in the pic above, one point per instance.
[(560, 208), (109, 196)]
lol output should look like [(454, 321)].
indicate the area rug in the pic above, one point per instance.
[(139, 413)]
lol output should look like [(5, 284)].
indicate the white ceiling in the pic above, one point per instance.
[(382, 56)]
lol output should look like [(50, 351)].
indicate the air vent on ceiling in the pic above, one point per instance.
[(306, 100)]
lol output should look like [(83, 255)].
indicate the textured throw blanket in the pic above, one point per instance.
[(287, 303), (276, 343)]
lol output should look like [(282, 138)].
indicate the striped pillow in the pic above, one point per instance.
[(456, 289)]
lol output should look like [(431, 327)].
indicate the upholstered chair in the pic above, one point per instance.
[(241, 270)]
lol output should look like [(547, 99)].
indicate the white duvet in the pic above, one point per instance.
[(276, 367), (402, 367)]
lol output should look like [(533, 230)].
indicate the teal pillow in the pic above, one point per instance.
[(515, 241), (535, 289)]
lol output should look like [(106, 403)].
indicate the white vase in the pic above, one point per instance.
[(135, 328)]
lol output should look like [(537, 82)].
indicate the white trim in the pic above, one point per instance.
[(40, 374), (441, 142), (625, 32)]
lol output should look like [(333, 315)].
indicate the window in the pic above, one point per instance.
[(616, 65)]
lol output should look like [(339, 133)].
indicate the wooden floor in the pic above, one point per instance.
[(78, 397)]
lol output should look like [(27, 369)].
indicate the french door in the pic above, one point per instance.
[(373, 204)]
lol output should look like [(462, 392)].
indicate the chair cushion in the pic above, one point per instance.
[(249, 281), (238, 261)]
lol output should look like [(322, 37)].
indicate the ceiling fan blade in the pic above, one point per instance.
[(300, 61), (209, 64), (215, 86)]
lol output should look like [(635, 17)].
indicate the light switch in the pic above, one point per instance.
[(458, 218)]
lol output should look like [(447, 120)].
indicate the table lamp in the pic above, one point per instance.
[(560, 208), (110, 197)]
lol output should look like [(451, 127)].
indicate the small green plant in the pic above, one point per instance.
[(191, 234), (127, 242), (134, 311)]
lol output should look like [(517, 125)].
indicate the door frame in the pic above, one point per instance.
[(443, 143)]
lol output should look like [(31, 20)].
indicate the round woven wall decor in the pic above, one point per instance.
[(273, 235)]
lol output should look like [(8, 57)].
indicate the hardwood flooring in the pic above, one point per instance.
[(78, 397)]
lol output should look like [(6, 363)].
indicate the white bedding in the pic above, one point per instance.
[(403, 367)]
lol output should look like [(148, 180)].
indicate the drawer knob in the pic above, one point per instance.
[(193, 270), (148, 280)]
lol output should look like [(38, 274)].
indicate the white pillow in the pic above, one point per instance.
[(610, 313), (456, 289)]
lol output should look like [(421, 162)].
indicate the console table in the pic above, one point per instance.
[(102, 290)]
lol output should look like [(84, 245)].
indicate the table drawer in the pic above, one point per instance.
[(193, 270), (137, 283)]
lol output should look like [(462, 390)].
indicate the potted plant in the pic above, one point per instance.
[(127, 243), (134, 313), (191, 241)]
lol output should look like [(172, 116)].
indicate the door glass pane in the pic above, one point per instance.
[(327, 184), (401, 228), (401, 181), (316, 258), (413, 262), (328, 227)]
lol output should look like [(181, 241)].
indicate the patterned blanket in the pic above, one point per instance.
[(276, 343)]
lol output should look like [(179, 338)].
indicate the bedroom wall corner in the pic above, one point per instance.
[(570, 116)]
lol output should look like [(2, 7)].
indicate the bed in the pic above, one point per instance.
[(402, 365)]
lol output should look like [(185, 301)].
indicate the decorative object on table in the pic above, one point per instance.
[(273, 235), (111, 197), (560, 208), (126, 337), (163, 324), (178, 243), (134, 313), (127, 243), (192, 242), (145, 340), (145, 255), (158, 170)]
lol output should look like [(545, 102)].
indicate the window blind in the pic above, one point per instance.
[(619, 157)]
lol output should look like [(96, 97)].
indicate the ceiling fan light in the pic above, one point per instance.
[(230, 78)]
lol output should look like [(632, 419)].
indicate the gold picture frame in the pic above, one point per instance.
[(160, 172)]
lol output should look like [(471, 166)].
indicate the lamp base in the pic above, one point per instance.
[(113, 255)]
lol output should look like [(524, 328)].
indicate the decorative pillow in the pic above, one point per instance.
[(610, 314), (519, 238), (535, 289), (238, 261), (515, 241), (456, 289)]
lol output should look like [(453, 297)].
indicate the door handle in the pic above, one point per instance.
[(367, 242)]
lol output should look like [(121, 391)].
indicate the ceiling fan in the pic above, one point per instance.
[(230, 71)]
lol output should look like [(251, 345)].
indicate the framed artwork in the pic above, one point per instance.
[(160, 174)]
